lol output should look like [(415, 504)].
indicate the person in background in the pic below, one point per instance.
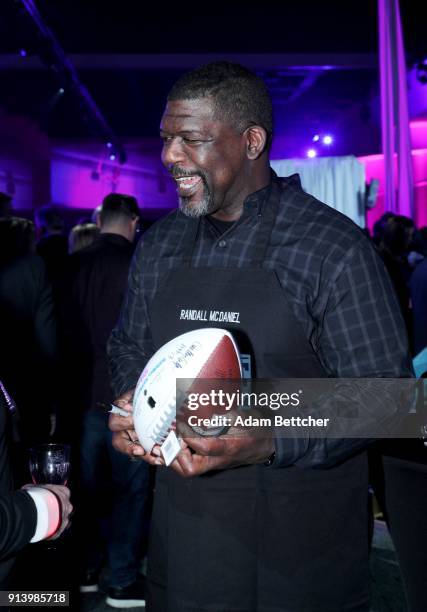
[(5, 205), (419, 247), (418, 287), (81, 236), (394, 239), (29, 514), (379, 227), (96, 283), (398, 468), (28, 330), (52, 245), (96, 214)]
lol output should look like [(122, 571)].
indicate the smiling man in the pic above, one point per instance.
[(254, 523), (212, 160)]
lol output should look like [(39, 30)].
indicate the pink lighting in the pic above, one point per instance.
[(374, 168), (311, 153), (418, 134)]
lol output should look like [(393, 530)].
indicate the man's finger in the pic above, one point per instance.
[(125, 399), (123, 444), (116, 422)]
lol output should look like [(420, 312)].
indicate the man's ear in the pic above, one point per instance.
[(256, 141)]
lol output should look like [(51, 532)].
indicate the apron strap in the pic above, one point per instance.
[(267, 213), (190, 241)]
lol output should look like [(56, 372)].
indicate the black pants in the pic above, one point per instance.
[(401, 490)]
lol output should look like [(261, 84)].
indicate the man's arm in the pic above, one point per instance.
[(31, 515), (361, 335), (18, 519), (130, 344), (129, 348)]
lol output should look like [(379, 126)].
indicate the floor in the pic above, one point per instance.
[(387, 590), (48, 568)]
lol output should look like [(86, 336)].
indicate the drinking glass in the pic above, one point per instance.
[(50, 464)]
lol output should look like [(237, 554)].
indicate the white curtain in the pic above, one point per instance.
[(337, 181)]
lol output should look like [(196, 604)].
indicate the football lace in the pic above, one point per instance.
[(164, 423)]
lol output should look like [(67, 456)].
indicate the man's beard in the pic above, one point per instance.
[(203, 207)]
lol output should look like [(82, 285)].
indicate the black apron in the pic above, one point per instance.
[(254, 539)]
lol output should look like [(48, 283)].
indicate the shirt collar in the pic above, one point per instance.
[(257, 199)]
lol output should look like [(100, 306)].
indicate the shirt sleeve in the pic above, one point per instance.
[(130, 344), (361, 334), (18, 520)]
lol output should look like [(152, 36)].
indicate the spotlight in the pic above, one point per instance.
[(327, 140), (112, 157), (311, 153), (23, 53), (316, 137), (109, 145), (61, 90)]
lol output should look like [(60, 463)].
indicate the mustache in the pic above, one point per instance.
[(177, 171)]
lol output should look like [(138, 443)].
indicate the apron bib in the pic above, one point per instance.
[(253, 539)]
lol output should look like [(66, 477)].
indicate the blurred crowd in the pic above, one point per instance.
[(60, 297), (403, 248)]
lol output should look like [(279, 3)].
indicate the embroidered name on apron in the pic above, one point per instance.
[(215, 316)]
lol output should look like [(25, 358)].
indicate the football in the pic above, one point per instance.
[(207, 353)]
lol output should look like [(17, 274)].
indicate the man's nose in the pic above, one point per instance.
[(172, 152)]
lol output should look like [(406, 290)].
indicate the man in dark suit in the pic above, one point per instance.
[(95, 287)]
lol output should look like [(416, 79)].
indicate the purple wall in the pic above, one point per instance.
[(82, 174)]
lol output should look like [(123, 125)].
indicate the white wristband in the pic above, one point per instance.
[(47, 507)]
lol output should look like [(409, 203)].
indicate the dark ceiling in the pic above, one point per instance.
[(137, 26), (307, 97)]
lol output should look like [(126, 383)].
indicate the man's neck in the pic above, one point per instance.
[(257, 181)]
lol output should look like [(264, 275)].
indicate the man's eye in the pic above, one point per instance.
[(192, 140)]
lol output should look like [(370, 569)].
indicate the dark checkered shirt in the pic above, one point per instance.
[(336, 285)]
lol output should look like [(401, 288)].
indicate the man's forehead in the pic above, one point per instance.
[(198, 108)]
